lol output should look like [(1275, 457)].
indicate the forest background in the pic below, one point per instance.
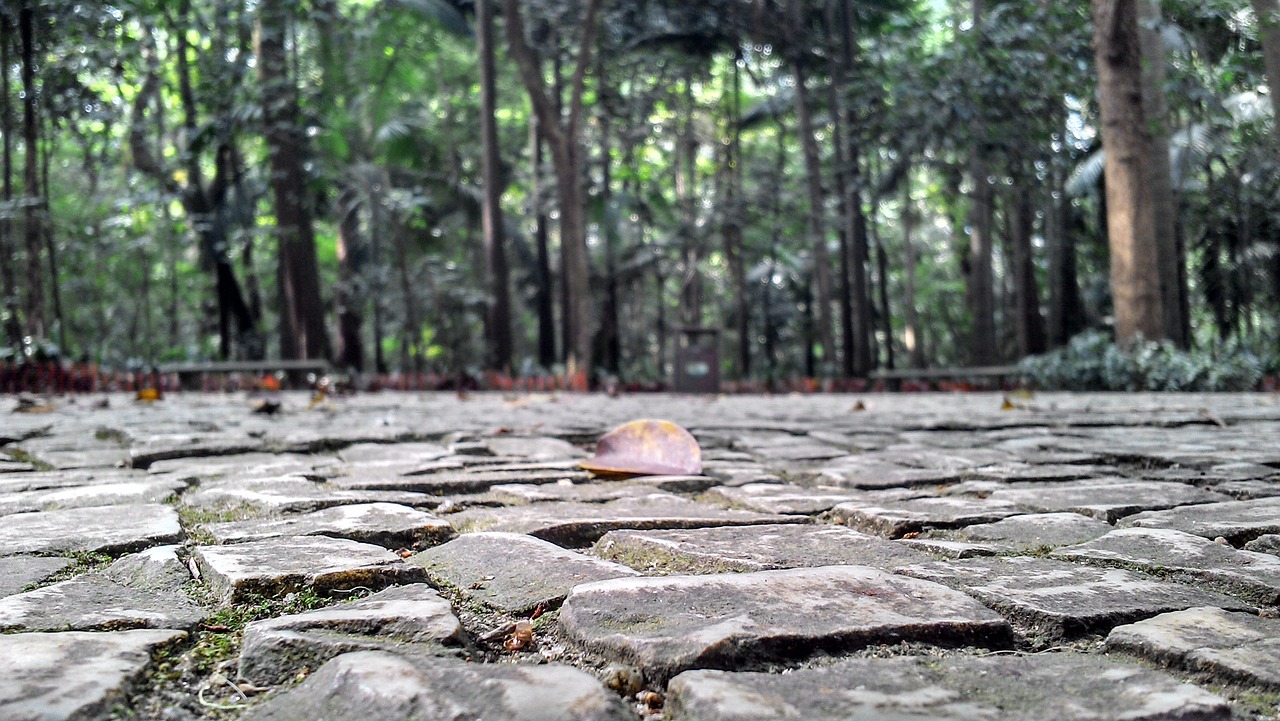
[(530, 186)]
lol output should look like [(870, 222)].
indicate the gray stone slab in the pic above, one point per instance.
[(534, 448), (456, 482), (511, 572), (377, 685), (949, 549), (104, 494), (398, 453), (252, 465), (7, 466), (581, 524), (102, 529), (1107, 499), (1269, 543), (1066, 600), (18, 572), (894, 519), (157, 568), (1254, 576), (1035, 531), (871, 475), (38, 480), (1237, 521), (293, 495), (94, 602), (600, 492), (412, 617), (667, 625), (1241, 647), (792, 498), (277, 566), (384, 524), (73, 675), (161, 448), (1068, 686), (751, 548)]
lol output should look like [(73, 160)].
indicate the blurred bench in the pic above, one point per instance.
[(191, 375)]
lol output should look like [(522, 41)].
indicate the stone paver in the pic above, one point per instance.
[(1241, 647), (667, 625), (751, 548), (378, 685), (871, 557), (277, 566), (1061, 599), (1065, 686), (511, 572), (581, 524), (72, 674), (1255, 576), (403, 618), (385, 524), (102, 529)]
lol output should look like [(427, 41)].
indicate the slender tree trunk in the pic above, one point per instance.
[(983, 348), (32, 202), (835, 91), (347, 298), (1066, 311), (886, 316), (302, 327), (545, 299), (685, 169), (51, 251), (498, 311), (8, 250), (817, 211), (1029, 321), (611, 344), (1268, 12), (563, 134), (1131, 206), (731, 230), (859, 363), (1156, 111), (914, 340)]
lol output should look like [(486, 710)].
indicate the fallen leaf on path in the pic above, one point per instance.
[(646, 448)]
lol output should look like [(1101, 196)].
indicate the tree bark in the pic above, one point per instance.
[(32, 214), (8, 281), (912, 335), (347, 298), (1131, 205), (1066, 311), (1156, 111), (1029, 323), (302, 326), (498, 311), (686, 174), (858, 347), (816, 223), (563, 135), (1268, 12), (983, 348), (545, 299), (610, 327), (731, 231)]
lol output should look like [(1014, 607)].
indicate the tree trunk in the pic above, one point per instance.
[(32, 212), (1156, 111), (1268, 12), (8, 281), (817, 226), (545, 300), (914, 340), (685, 169), (347, 298), (835, 89), (1131, 205), (731, 231), (858, 363), (610, 332), (983, 348), (1066, 311), (302, 326), (498, 311), (563, 134), (1029, 322), (886, 317)]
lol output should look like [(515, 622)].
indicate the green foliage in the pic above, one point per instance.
[(1092, 362)]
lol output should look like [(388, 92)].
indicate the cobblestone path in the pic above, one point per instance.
[(417, 557)]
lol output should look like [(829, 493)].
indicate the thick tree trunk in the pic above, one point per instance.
[(563, 134), (8, 281), (32, 203), (498, 311), (1132, 226), (1268, 12), (302, 327), (347, 298), (817, 224), (1156, 111), (1029, 323), (545, 299)]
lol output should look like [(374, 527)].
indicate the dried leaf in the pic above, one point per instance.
[(149, 395), (646, 448)]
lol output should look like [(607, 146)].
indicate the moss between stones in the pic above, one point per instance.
[(81, 562)]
